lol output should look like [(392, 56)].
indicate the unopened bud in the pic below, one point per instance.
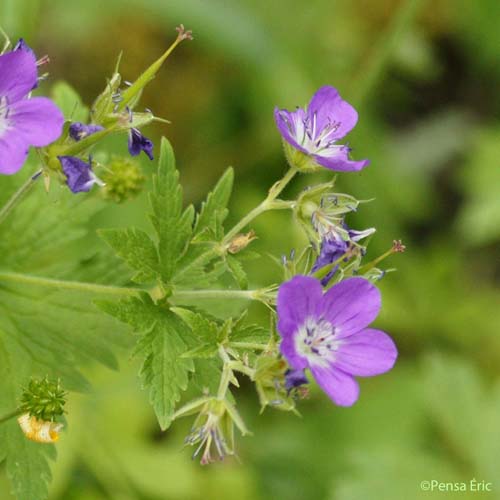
[(241, 241)]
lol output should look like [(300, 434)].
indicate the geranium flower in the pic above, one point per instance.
[(79, 175), (314, 131), (24, 121), (138, 142), (328, 334)]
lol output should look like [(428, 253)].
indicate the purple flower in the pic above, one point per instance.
[(137, 143), (334, 246), (79, 175), (328, 333), (24, 122), (79, 131), (315, 131)]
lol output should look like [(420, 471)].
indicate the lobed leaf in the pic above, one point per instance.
[(172, 224), (137, 249)]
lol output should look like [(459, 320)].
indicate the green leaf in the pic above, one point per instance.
[(163, 341), (203, 329), (250, 333), (236, 269), (200, 267), (204, 351), (27, 465), (26, 462), (49, 241), (137, 249), (48, 331), (173, 225), (44, 331), (68, 100), (214, 210), (44, 328)]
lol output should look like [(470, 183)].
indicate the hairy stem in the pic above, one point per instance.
[(67, 285), (18, 195), (124, 291), (227, 374), (216, 294), (267, 204), (8, 416)]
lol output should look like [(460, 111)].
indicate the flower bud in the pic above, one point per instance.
[(320, 211), (241, 241), (271, 383)]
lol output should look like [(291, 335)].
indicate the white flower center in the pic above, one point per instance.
[(316, 341), (4, 115), (319, 141)]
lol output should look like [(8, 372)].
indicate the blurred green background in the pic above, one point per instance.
[(424, 77)]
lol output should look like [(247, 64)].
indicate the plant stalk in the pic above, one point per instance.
[(18, 195)]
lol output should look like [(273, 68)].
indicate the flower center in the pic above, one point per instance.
[(4, 114), (316, 341), (316, 141)]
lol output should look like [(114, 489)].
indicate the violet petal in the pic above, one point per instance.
[(366, 353)]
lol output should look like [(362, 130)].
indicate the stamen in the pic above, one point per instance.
[(43, 60)]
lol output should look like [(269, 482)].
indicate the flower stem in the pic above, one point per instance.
[(67, 285), (268, 204), (10, 415), (216, 294), (18, 195), (397, 247), (227, 374), (249, 345)]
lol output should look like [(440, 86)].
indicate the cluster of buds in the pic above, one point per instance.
[(42, 402), (112, 112), (123, 180)]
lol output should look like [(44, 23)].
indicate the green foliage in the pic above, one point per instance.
[(214, 211), (27, 465), (163, 341), (136, 249), (236, 269), (39, 333), (434, 180), (172, 224)]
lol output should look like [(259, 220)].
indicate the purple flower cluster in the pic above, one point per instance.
[(314, 131), (328, 333), (24, 121)]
